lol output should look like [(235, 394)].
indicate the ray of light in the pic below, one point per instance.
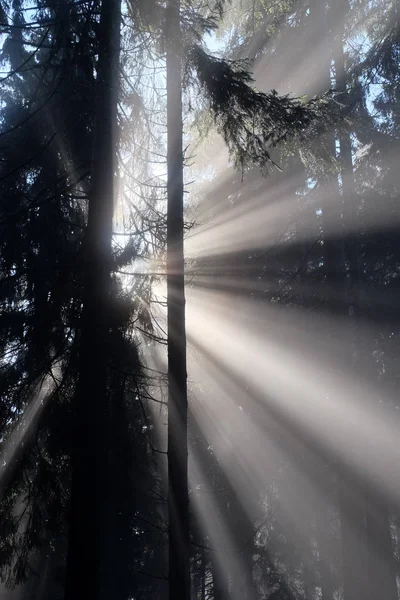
[(273, 395), (227, 557), (26, 424), (265, 217), (308, 392), (252, 449)]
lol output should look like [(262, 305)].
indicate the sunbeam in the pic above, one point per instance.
[(300, 384)]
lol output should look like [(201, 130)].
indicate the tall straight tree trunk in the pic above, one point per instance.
[(219, 589), (319, 82), (89, 571), (178, 499), (352, 489), (350, 493), (203, 575), (381, 560), (381, 563)]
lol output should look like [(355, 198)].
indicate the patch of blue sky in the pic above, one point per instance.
[(216, 43)]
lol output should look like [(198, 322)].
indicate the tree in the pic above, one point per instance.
[(48, 124), (236, 107), (41, 227), (90, 567), (178, 498)]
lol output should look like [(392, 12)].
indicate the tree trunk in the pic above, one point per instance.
[(325, 542), (203, 575), (380, 574), (381, 571), (381, 561), (178, 499), (89, 571), (352, 490), (219, 589)]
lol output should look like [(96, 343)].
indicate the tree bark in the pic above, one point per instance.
[(381, 564), (352, 489), (203, 575), (89, 571), (178, 499), (381, 561)]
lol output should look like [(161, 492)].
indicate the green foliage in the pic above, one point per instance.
[(252, 122), (47, 123)]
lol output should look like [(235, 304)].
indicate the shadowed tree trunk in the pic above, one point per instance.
[(89, 570), (352, 497), (178, 500), (203, 575), (350, 493), (381, 564)]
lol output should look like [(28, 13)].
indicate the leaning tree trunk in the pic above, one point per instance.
[(178, 499), (89, 571)]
